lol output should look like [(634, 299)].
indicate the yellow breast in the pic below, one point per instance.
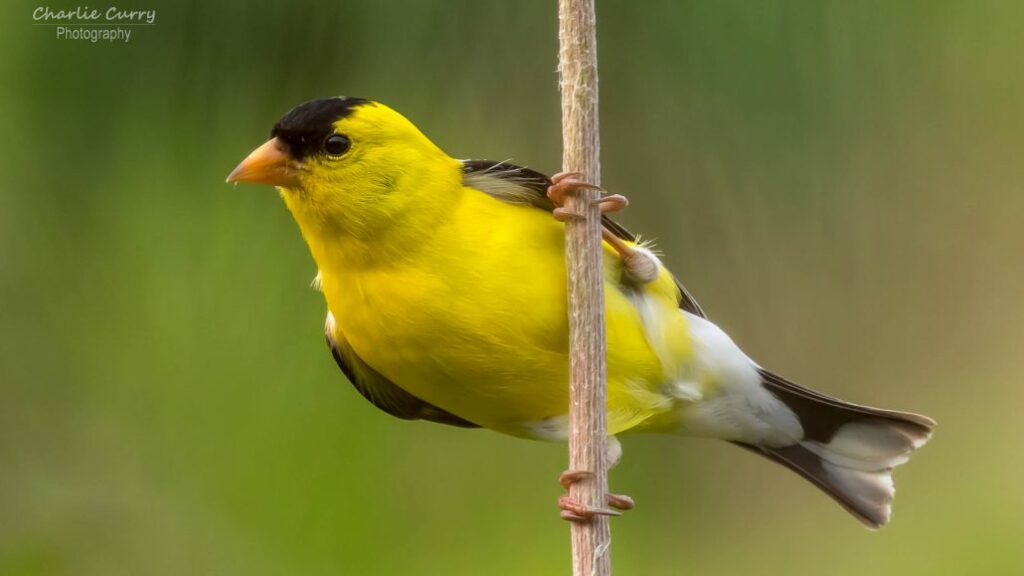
[(474, 321)]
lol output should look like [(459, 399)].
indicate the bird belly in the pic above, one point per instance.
[(478, 327), (488, 367)]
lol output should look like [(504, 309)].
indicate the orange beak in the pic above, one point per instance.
[(269, 164)]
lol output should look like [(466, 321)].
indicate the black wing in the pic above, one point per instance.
[(385, 394), (516, 184)]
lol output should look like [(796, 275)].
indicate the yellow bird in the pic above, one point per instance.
[(446, 293)]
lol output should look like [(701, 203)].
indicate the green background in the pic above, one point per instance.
[(838, 182)]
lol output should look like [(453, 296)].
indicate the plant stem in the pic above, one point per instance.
[(587, 389)]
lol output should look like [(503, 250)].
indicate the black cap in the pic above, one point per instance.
[(304, 127)]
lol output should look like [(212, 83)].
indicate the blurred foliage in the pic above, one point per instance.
[(838, 182)]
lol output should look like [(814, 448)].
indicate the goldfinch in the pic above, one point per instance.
[(446, 298)]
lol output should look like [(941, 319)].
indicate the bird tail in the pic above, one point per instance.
[(848, 451)]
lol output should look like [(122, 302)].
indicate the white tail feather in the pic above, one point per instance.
[(859, 460)]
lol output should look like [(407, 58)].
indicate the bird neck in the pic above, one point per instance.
[(390, 227)]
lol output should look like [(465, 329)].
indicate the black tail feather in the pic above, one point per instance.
[(848, 450)]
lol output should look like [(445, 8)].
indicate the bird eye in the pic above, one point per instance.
[(336, 144)]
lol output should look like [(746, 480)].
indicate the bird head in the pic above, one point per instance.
[(347, 163)]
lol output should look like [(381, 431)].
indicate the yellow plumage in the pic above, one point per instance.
[(470, 315), (446, 289), (459, 297)]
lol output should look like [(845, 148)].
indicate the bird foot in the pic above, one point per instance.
[(565, 182), (577, 512), (639, 267)]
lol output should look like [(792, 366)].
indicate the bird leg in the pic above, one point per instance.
[(639, 267), (576, 512), (565, 182), (561, 185)]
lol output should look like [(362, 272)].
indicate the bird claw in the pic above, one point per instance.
[(620, 501), (613, 203), (577, 512), (570, 477), (563, 214), (565, 182), (638, 267)]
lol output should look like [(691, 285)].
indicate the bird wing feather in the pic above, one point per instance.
[(506, 182), (519, 185), (384, 393)]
